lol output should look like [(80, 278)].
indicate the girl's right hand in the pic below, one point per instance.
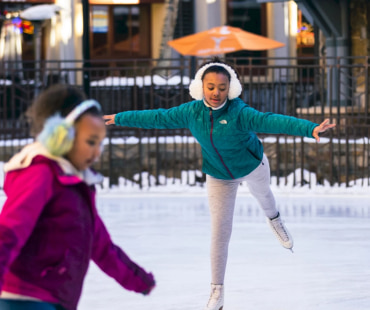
[(109, 119)]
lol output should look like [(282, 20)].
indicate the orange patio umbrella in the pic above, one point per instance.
[(222, 40)]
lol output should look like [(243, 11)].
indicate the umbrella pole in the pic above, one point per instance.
[(193, 66)]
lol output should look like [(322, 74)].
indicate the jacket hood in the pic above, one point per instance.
[(24, 158)]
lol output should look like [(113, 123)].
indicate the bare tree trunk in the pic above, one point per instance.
[(168, 31)]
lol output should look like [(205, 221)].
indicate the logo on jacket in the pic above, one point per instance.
[(223, 121)]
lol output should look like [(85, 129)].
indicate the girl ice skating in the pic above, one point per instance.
[(49, 225), (226, 128)]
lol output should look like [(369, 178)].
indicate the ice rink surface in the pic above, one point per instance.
[(169, 235)]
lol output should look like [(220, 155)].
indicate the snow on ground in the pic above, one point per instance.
[(281, 186), (141, 81)]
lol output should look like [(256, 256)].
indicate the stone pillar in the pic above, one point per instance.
[(209, 14), (360, 27), (282, 27)]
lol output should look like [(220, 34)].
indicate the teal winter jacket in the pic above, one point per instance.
[(230, 146)]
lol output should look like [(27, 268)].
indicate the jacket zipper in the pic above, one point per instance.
[(211, 137)]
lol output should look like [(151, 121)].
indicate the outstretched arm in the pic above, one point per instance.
[(173, 118), (117, 264), (109, 119), (324, 126)]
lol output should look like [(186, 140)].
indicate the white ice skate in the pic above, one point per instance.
[(281, 232), (216, 300)]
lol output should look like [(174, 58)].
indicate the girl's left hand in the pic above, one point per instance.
[(148, 291), (324, 126)]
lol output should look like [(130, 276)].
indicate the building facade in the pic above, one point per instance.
[(118, 30)]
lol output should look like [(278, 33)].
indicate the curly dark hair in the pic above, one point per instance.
[(218, 69), (58, 98)]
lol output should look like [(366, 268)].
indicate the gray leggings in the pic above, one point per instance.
[(221, 199)]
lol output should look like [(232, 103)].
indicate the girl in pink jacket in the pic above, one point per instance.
[(49, 225)]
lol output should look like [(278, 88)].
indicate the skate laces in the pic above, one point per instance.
[(281, 232), (280, 229), (216, 296)]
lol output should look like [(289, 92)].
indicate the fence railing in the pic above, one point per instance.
[(337, 89)]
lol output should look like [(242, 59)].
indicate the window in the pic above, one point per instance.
[(120, 31), (126, 21), (100, 15), (249, 16), (185, 19)]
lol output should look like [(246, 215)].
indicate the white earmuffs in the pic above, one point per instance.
[(196, 85), (58, 133)]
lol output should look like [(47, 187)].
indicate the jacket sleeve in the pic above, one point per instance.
[(253, 120), (114, 262), (176, 117), (28, 191)]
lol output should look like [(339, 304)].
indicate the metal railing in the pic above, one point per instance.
[(337, 89)]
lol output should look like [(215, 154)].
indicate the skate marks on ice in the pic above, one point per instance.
[(170, 236)]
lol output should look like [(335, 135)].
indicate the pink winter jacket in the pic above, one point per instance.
[(49, 231)]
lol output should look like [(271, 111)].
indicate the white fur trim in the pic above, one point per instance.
[(196, 85), (24, 158)]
